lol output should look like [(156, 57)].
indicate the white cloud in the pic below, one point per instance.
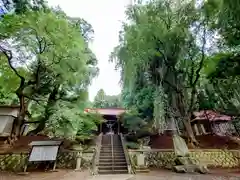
[(105, 16)]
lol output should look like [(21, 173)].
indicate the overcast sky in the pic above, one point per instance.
[(105, 16)]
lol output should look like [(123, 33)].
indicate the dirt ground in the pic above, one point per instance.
[(205, 141), (22, 144), (59, 175), (214, 174), (218, 174)]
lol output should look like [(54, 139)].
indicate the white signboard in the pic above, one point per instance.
[(43, 153), (6, 123)]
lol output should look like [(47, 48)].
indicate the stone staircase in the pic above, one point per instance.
[(112, 158)]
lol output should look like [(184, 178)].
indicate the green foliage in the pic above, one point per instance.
[(219, 88), (177, 57), (132, 122), (226, 16), (102, 100), (155, 60), (21, 6), (132, 145), (55, 66), (7, 95), (71, 122)]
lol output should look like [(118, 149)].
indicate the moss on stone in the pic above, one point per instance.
[(212, 158), (16, 162)]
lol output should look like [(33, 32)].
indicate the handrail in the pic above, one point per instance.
[(112, 152), (97, 154), (130, 169)]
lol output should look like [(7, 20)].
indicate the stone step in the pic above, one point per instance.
[(113, 172), (111, 161), (110, 147), (110, 155), (110, 152), (115, 163), (115, 149), (115, 156), (112, 167), (105, 160)]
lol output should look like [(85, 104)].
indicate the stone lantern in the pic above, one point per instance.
[(141, 165), (79, 150)]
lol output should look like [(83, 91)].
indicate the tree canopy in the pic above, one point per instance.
[(46, 56), (102, 100), (177, 57)]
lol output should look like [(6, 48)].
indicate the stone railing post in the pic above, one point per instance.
[(79, 159), (142, 165)]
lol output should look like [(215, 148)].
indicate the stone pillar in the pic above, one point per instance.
[(140, 160), (141, 165), (100, 128), (118, 120), (196, 129), (79, 159)]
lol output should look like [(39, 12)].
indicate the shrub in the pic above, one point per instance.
[(132, 145)]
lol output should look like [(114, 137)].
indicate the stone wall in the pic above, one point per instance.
[(65, 159), (211, 157)]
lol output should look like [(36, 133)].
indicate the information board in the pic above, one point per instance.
[(43, 153)]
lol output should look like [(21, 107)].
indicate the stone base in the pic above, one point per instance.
[(23, 173), (190, 169), (142, 169), (187, 165)]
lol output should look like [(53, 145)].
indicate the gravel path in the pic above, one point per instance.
[(153, 175)]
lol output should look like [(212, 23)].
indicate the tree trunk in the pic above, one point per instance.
[(52, 99), (21, 116), (186, 117), (191, 136), (19, 121)]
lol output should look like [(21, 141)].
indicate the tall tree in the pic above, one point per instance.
[(160, 47), (102, 100), (52, 51), (21, 6)]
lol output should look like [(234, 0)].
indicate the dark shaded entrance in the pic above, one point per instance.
[(112, 118), (111, 124)]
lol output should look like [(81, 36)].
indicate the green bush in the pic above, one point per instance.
[(132, 145), (131, 138)]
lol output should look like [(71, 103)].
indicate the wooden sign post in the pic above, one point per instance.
[(43, 151)]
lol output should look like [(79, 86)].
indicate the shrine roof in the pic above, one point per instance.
[(107, 111), (9, 106), (45, 143), (211, 116)]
